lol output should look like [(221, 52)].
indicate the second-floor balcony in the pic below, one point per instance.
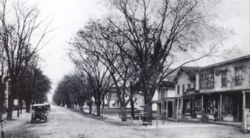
[(190, 91)]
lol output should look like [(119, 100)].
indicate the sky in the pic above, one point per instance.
[(68, 16)]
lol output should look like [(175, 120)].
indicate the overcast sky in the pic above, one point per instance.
[(70, 15)]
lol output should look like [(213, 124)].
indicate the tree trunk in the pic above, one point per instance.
[(21, 105), (2, 88), (108, 103), (18, 103), (11, 98), (123, 113), (98, 109), (63, 103), (132, 107), (10, 106), (148, 110), (90, 109), (103, 107), (27, 105), (131, 100), (81, 105)]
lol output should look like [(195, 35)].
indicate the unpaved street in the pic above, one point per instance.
[(65, 123)]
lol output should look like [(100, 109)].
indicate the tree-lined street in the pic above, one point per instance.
[(67, 123), (106, 66)]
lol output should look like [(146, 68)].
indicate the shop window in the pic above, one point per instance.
[(207, 79), (224, 78), (248, 100), (227, 105), (183, 88), (178, 89), (188, 106), (198, 105), (210, 105), (238, 76)]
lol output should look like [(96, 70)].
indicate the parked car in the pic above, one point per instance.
[(39, 111)]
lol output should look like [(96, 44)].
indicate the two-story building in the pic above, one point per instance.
[(185, 83), (223, 86)]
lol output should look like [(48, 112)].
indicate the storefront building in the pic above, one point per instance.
[(221, 86)]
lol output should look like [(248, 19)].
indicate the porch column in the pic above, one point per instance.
[(220, 110), (193, 108), (202, 106), (218, 107), (181, 112), (167, 109), (177, 111), (243, 108), (162, 109), (158, 108), (173, 109)]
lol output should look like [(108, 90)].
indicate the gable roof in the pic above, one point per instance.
[(172, 75), (189, 70), (167, 84)]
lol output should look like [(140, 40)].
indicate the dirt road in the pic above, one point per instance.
[(65, 123)]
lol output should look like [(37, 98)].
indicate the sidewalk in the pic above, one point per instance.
[(155, 123), (16, 121), (197, 120), (173, 121), (114, 118)]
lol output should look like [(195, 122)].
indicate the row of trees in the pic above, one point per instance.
[(71, 91), (89, 84), (21, 37)]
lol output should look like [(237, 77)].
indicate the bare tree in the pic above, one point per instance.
[(17, 36), (78, 83), (90, 41), (100, 79), (63, 93)]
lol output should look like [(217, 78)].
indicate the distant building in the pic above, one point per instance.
[(164, 99), (113, 102)]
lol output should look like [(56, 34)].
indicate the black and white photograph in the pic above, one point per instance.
[(124, 68)]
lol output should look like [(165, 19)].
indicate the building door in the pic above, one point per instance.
[(237, 106)]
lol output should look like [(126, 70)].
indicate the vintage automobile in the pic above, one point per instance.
[(39, 111)]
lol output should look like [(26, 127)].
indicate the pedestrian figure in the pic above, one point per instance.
[(204, 117), (215, 114)]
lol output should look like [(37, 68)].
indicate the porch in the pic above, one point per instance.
[(167, 107)]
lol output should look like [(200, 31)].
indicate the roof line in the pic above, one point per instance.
[(226, 62)]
